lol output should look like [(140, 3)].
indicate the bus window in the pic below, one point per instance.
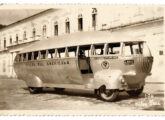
[(98, 49), (61, 52), (30, 56), (51, 53), (36, 55), (84, 51), (132, 48), (144, 49), (20, 57), (127, 50), (24, 57), (72, 51), (43, 54), (113, 49), (17, 58)]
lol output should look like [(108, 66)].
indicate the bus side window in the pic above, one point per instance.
[(57, 53), (61, 52), (30, 56), (20, 57), (84, 51), (24, 57), (113, 48), (17, 58), (72, 51), (98, 49), (36, 55), (127, 50), (51, 53), (133, 48), (43, 54)]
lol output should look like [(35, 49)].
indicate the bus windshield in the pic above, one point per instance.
[(136, 48)]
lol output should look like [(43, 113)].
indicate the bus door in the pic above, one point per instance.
[(84, 59)]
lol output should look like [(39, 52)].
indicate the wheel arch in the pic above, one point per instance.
[(34, 81), (108, 78)]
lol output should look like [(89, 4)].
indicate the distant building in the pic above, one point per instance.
[(144, 22)]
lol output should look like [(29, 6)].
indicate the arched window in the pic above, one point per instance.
[(4, 42), (16, 38), (24, 35), (94, 17), (67, 26), (44, 30), (10, 40), (80, 23), (56, 28), (34, 32)]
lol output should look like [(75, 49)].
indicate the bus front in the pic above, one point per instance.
[(138, 58)]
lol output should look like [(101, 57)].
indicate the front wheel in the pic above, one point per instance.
[(135, 93), (35, 90), (108, 95)]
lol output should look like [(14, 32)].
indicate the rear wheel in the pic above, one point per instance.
[(35, 90), (108, 95), (96, 93), (135, 93)]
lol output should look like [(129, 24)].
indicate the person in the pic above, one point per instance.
[(101, 52), (111, 52), (82, 54)]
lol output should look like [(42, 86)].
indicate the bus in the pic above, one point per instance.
[(105, 62)]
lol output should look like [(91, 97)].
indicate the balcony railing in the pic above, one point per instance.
[(30, 39)]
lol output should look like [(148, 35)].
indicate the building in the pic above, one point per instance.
[(145, 22)]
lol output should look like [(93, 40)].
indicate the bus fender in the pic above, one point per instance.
[(33, 81), (110, 78)]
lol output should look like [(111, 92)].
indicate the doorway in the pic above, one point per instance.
[(84, 59)]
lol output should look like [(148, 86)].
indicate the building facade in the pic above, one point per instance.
[(144, 22)]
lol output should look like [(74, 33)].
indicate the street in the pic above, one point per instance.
[(14, 95)]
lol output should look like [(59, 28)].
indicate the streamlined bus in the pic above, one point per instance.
[(104, 62)]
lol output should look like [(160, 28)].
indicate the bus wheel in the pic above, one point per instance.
[(96, 93), (35, 90), (108, 95), (135, 93), (59, 89)]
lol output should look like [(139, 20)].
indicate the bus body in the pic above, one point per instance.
[(102, 61)]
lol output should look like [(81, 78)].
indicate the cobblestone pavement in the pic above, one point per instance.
[(14, 95)]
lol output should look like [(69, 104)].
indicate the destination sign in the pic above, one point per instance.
[(111, 57)]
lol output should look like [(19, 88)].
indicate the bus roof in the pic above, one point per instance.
[(79, 38)]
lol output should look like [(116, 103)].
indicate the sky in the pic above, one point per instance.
[(9, 16)]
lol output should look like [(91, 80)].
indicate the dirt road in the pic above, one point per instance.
[(14, 95)]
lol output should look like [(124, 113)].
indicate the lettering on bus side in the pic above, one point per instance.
[(60, 62), (49, 63)]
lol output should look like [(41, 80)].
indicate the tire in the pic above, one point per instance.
[(135, 93), (34, 90), (59, 89), (108, 95), (96, 93)]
